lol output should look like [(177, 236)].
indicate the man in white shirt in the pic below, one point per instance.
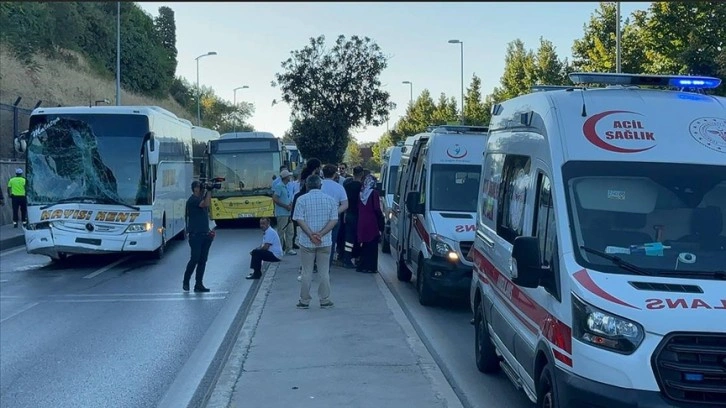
[(269, 251), (343, 172), (317, 214), (335, 190)]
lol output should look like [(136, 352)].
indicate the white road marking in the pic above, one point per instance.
[(23, 309), (12, 251), (105, 268), (3, 281), (184, 299), (141, 294)]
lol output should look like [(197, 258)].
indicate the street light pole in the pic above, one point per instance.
[(618, 39), (235, 102), (199, 91), (461, 43), (410, 90), (118, 53)]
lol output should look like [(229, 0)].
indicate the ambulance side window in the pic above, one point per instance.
[(545, 229), (512, 197), (422, 182), (493, 165), (401, 172)]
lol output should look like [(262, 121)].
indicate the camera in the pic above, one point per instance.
[(214, 184)]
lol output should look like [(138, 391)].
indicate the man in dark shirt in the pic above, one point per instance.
[(352, 188), (200, 236)]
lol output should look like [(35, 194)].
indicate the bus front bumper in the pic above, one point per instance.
[(52, 242)]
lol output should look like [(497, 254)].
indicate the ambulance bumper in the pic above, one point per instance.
[(447, 278), (576, 391)]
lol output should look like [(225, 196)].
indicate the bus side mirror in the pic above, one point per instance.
[(203, 170), (152, 149)]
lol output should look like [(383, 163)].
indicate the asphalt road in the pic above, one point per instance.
[(107, 330), (447, 333)]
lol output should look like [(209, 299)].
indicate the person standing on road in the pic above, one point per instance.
[(370, 225), (283, 206), (335, 190), (16, 191), (277, 180), (200, 236), (269, 251), (353, 188), (317, 214)]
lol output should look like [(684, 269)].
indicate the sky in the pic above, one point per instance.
[(252, 39)]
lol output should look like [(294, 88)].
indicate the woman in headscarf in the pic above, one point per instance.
[(369, 229)]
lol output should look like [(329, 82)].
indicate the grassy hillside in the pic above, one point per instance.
[(58, 82)]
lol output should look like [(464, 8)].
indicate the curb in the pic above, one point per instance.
[(196, 380), (12, 242), (462, 398)]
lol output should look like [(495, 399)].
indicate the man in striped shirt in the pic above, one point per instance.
[(316, 214)]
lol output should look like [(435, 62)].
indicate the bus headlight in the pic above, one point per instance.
[(140, 227), (599, 328)]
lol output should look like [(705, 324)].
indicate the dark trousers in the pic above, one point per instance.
[(340, 239), (259, 255), (20, 203), (368, 257), (199, 243), (352, 249)]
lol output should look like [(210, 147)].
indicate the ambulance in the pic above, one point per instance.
[(386, 187), (600, 251), (434, 209)]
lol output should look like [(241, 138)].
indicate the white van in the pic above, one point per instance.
[(387, 186), (600, 253), (432, 233)]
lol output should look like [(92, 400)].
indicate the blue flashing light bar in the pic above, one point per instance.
[(677, 81)]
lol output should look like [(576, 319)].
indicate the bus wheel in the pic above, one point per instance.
[(159, 252), (62, 257)]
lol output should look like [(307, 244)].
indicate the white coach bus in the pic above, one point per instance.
[(106, 179)]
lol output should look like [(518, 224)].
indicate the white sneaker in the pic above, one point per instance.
[(299, 278), (291, 252)]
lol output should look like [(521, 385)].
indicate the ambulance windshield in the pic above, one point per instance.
[(454, 187), (664, 218)]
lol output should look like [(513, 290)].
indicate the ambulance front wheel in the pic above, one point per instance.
[(546, 394)]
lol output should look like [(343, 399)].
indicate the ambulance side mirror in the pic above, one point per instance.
[(379, 187), (527, 270), (413, 205)]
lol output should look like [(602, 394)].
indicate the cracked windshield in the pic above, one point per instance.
[(210, 204), (90, 156)]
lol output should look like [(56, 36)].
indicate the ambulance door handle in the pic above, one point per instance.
[(488, 241)]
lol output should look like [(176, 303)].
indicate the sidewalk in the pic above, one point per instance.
[(11, 237), (362, 352)]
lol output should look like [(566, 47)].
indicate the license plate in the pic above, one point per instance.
[(246, 215)]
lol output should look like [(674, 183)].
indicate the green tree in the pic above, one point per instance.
[(548, 68), (379, 148), (519, 72), (595, 52), (320, 138), (444, 112), (686, 37), (287, 137), (475, 112), (418, 117), (352, 153), (339, 88), (165, 26)]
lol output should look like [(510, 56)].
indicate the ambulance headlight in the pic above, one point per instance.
[(442, 246), (139, 227), (599, 328)]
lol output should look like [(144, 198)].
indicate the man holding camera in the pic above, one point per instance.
[(200, 236)]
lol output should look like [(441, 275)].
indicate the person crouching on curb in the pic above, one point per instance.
[(316, 213), (269, 251)]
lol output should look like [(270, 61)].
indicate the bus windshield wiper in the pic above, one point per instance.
[(617, 261), (77, 199), (89, 199), (109, 200)]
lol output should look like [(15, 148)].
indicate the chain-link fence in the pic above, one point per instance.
[(13, 121)]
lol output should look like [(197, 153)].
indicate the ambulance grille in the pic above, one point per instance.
[(666, 287), (691, 367), (465, 246)]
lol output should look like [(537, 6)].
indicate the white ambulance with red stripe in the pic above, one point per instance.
[(600, 250), (434, 210)]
